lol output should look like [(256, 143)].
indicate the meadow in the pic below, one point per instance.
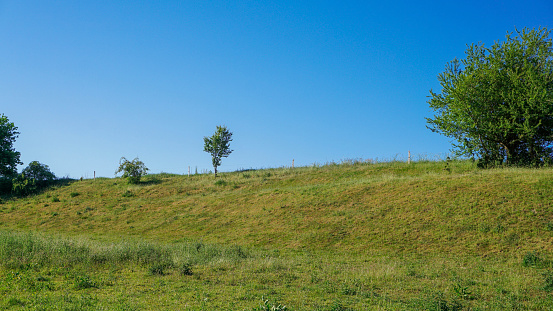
[(430, 235)]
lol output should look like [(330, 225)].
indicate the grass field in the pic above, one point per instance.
[(352, 236)]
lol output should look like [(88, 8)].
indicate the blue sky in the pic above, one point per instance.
[(88, 82)]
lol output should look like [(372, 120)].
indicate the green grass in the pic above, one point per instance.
[(353, 236)]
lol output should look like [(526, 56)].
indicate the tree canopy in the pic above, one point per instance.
[(497, 103), (39, 172), (218, 146), (9, 158)]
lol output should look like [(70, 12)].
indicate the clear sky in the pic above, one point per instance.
[(88, 82)]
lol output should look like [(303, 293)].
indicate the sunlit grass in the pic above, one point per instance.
[(353, 236)]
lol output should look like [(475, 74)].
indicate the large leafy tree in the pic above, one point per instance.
[(218, 146), (9, 158), (497, 103)]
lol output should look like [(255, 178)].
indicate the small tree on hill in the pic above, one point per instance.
[(218, 146), (132, 170), (497, 103)]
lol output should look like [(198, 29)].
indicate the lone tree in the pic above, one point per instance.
[(497, 103), (218, 146), (9, 158), (132, 170)]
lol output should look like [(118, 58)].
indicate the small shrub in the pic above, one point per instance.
[(220, 182), (157, 269), (132, 170), (127, 194), (463, 292), (73, 194), (549, 226), (531, 259), (84, 281), (23, 185), (55, 199), (186, 269)]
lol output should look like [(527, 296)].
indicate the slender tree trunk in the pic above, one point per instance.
[(215, 168)]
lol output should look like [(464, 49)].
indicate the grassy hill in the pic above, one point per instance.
[(387, 236)]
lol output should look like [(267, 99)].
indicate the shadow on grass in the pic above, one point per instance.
[(150, 180), (6, 193)]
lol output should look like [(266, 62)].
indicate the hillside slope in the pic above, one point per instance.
[(422, 207)]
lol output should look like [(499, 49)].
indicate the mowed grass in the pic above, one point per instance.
[(354, 236)]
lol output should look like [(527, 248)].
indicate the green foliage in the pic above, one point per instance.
[(496, 103), (84, 282), (218, 146), (463, 291), (157, 269), (132, 170), (127, 194), (39, 172), (9, 158), (34, 177), (186, 269), (5, 185), (531, 259), (22, 185), (220, 182)]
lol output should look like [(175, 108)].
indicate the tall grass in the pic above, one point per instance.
[(19, 250)]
